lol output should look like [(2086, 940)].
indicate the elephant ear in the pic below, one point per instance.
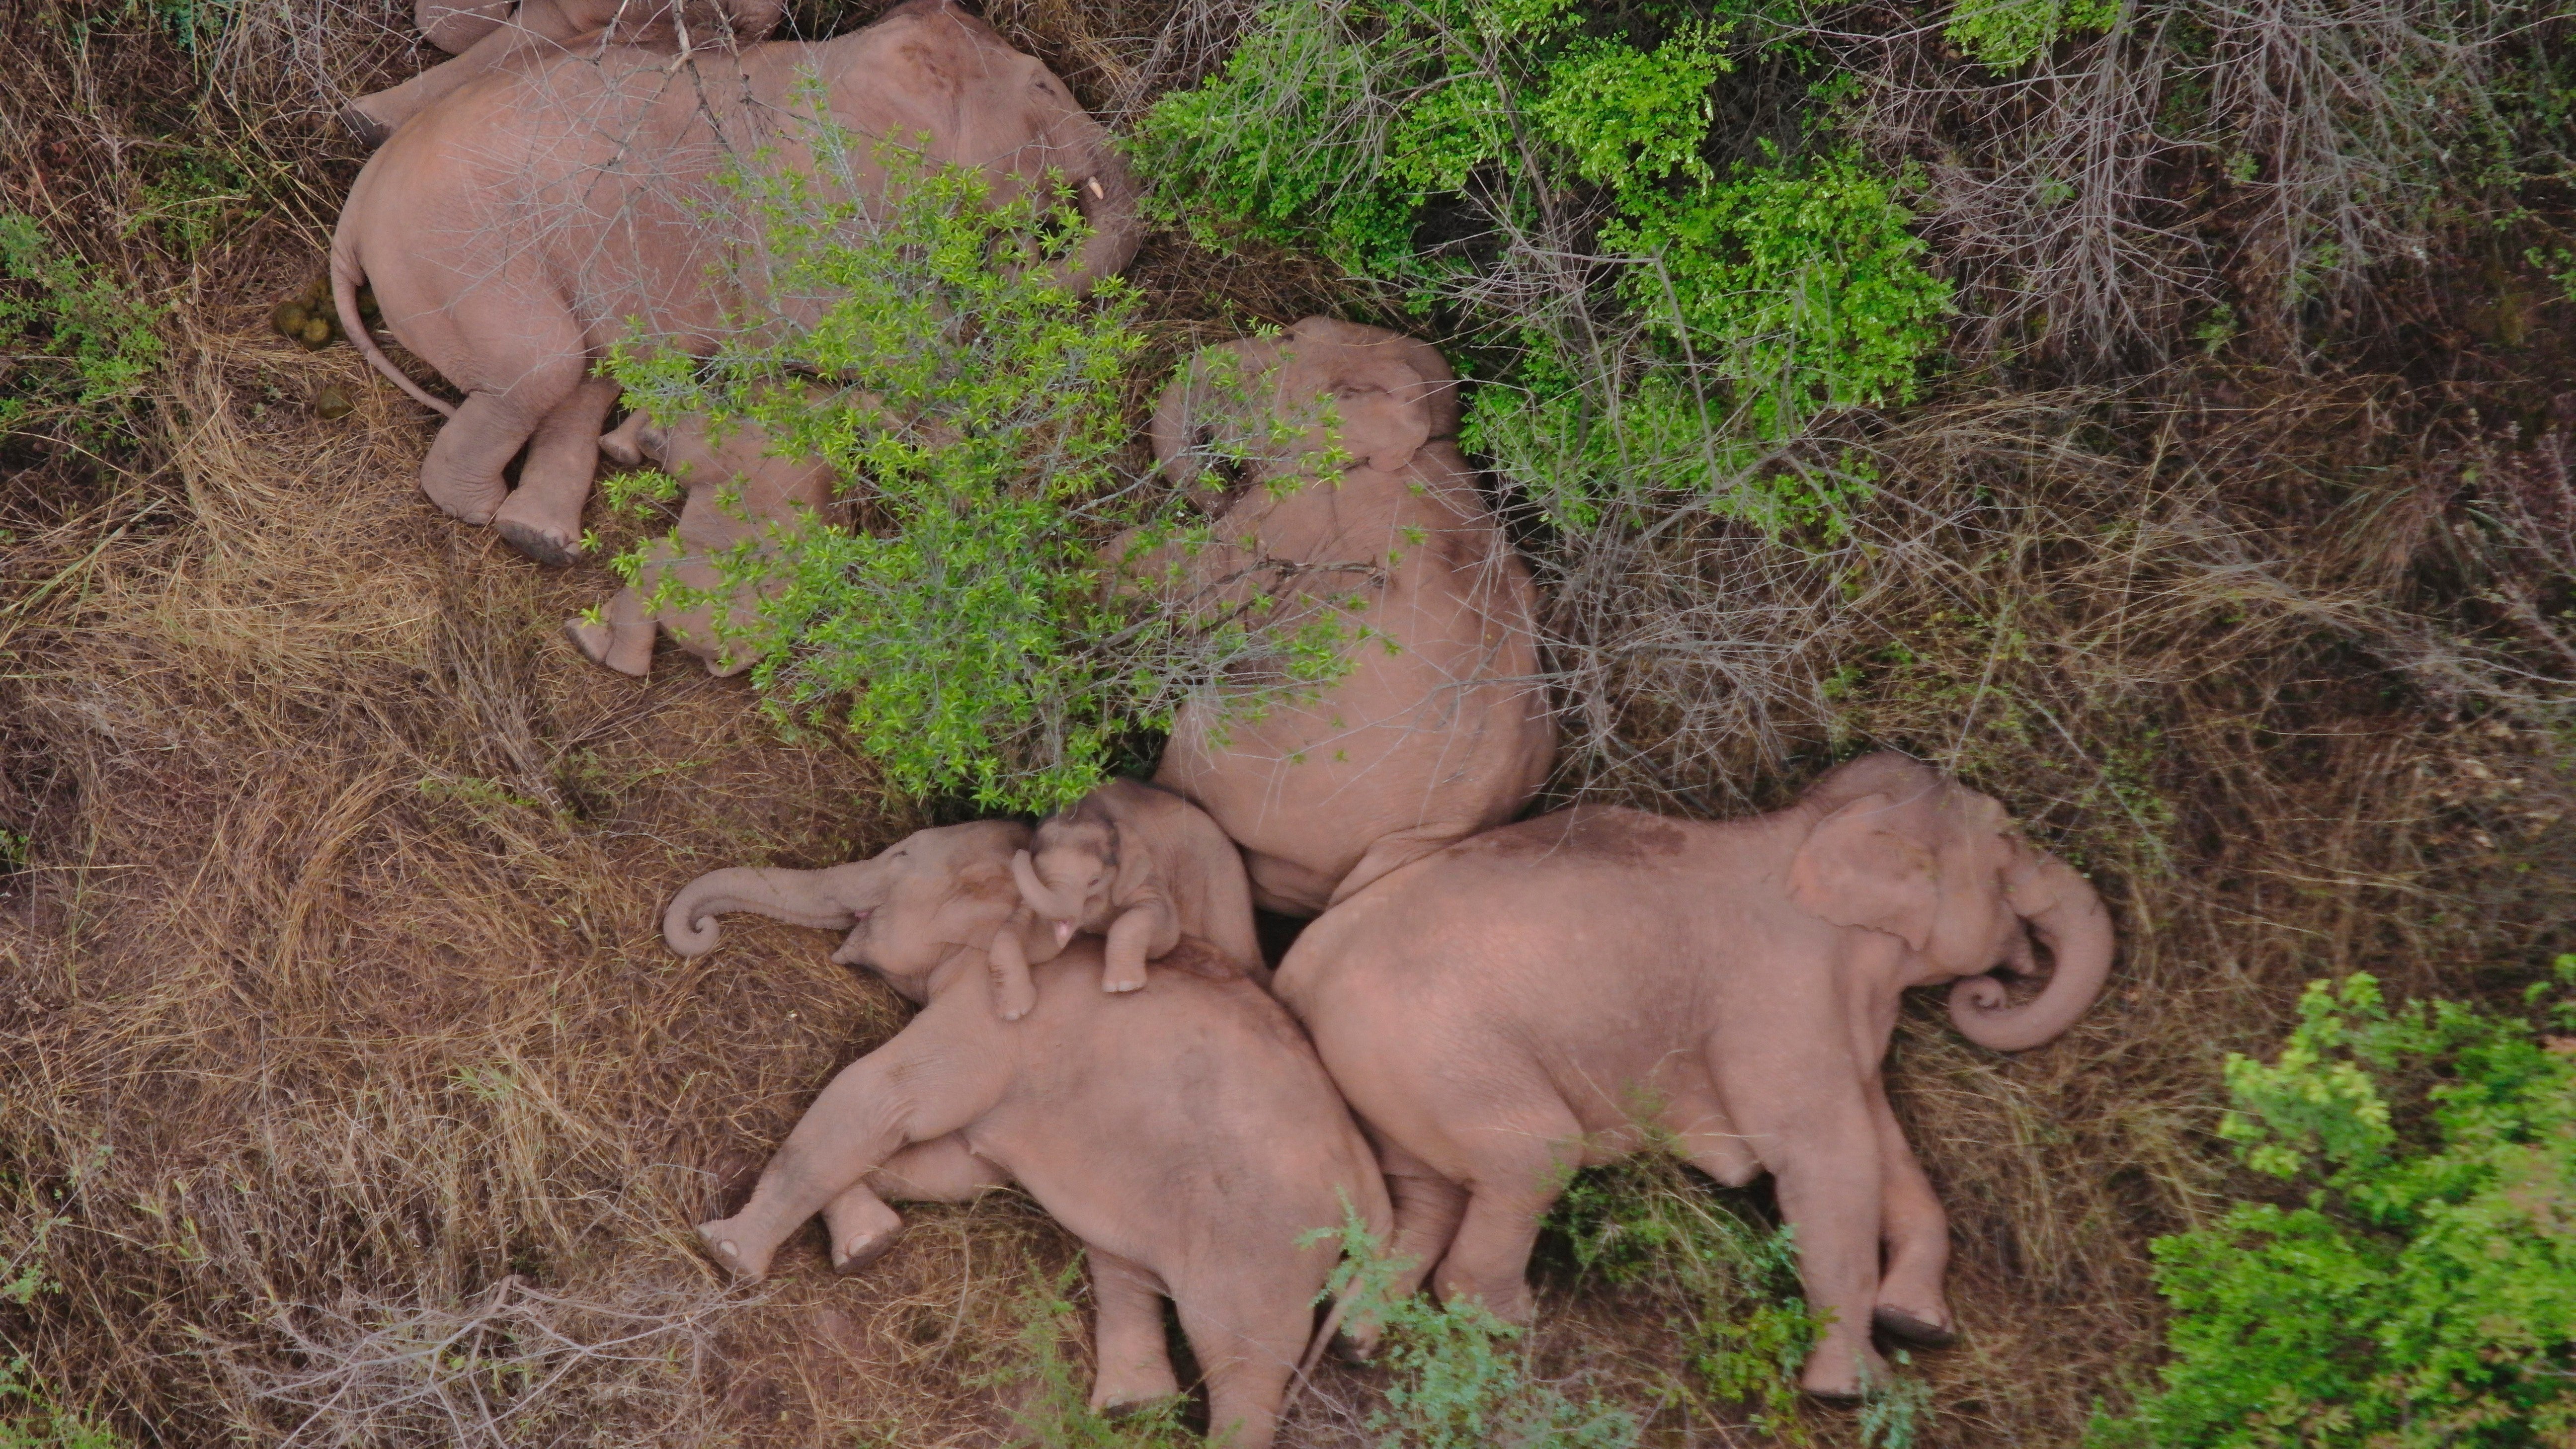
[(1384, 418), (1857, 868)]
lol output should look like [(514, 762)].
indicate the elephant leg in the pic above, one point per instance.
[(1014, 994), (1526, 1169), (863, 1227), (1427, 1208), (1822, 1149), (462, 474), (1916, 1233), (1131, 937), (453, 27), (1135, 1358), (622, 640), (865, 1116), (373, 118), (542, 518), (1248, 1343)]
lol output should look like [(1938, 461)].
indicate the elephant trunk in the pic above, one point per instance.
[(2067, 915), (799, 897), (1039, 896), (1106, 194)]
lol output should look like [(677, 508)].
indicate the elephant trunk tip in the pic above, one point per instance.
[(2068, 917), (689, 931)]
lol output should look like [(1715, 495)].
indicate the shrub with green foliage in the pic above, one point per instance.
[(1458, 1377), (969, 634), (2004, 35), (1662, 322), (2420, 1290), (76, 349), (1733, 1284)]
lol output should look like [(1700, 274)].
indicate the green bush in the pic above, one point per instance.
[(2420, 1290), (1731, 1284), (76, 349), (1439, 147), (1458, 1377), (969, 634), (2004, 35)]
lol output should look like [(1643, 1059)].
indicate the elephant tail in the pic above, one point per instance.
[(346, 274), (1314, 1354)]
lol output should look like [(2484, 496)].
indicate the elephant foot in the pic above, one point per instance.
[(370, 132), (1014, 1000), (1118, 981), (858, 1254), (723, 1244), (600, 644), (1912, 1328), (547, 543), (1839, 1377), (1124, 1409)]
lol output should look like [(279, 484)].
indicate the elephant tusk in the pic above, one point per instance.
[(1096, 193), (1063, 932)]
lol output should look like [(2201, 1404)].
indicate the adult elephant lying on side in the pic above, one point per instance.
[(486, 37), (1558, 993), (1354, 504), (520, 227)]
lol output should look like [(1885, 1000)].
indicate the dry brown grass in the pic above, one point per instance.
[(355, 1100)]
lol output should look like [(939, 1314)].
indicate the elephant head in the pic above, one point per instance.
[(1276, 401), (907, 909), (1065, 878), (1901, 848)]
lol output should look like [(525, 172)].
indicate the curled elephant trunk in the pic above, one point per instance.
[(814, 898), (1055, 908), (2068, 917)]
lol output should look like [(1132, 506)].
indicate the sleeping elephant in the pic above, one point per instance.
[(1558, 993), (1143, 869), (1353, 505), (1185, 1134), (741, 502), (546, 211), (483, 38)]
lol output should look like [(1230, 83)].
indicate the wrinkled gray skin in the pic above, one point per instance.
[(737, 492), (1142, 868), (1557, 993), (485, 38), (518, 228), (1186, 1134), (1445, 733)]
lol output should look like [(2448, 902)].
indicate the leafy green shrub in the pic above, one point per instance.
[(32, 1418), (2004, 35), (1732, 1284), (969, 635), (1467, 149), (2422, 1292), (1052, 1405), (1456, 1379), (76, 349)]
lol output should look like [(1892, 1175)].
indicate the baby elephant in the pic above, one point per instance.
[(1142, 867), (1186, 1135), (742, 504), (1556, 994)]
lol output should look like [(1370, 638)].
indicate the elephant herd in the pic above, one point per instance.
[(1478, 1004)]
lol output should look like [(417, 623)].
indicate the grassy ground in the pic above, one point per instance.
[(349, 1096)]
